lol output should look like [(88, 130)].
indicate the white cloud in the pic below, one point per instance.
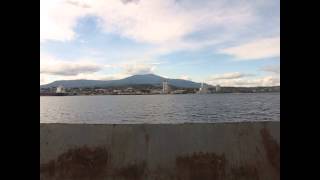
[(47, 78), (272, 68), (52, 69), (162, 21), (53, 66), (232, 75), (43, 80), (166, 24), (133, 68), (97, 76), (151, 21), (68, 68), (78, 3), (257, 49), (185, 77), (59, 17), (263, 81), (243, 80)]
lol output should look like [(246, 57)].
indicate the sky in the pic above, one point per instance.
[(225, 42)]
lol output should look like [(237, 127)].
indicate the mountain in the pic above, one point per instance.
[(151, 79)]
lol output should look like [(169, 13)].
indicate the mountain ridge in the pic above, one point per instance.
[(151, 79)]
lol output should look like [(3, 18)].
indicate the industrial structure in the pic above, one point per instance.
[(60, 89), (203, 89), (218, 88), (165, 87)]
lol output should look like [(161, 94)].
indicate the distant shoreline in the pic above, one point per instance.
[(167, 94)]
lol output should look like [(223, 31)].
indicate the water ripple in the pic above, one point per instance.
[(160, 108)]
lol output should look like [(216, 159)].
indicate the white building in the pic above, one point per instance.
[(60, 89), (203, 89), (156, 91), (218, 88), (178, 91), (165, 87)]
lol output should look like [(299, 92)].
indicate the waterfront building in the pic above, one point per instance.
[(129, 89), (179, 91), (60, 89), (117, 91), (218, 88), (165, 87), (203, 89), (156, 91)]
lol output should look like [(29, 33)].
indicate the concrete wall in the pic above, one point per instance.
[(236, 151)]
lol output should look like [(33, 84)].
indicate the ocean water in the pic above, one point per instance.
[(187, 108)]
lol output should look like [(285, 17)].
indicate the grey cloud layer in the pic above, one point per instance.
[(132, 69), (273, 69), (244, 80), (78, 4), (67, 69), (235, 75)]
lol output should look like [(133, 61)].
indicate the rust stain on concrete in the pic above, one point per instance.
[(245, 172), (89, 163), (78, 163), (205, 166), (210, 166), (134, 171), (272, 149)]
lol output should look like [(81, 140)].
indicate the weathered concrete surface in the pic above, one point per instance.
[(237, 151)]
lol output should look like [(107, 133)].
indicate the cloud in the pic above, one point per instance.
[(257, 49), (48, 78), (233, 75), (185, 77), (164, 26), (272, 68), (58, 18), (52, 69), (43, 80), (130, 1), (51, 65), (243, 80), (165, 21), (78, 4), (168, 24), (149, 21), (69, 69), (246, 82), (97, 76), (133, 69)]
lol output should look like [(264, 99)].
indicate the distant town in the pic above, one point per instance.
[(141, 89)]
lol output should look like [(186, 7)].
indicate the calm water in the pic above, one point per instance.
[(160, 108)]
